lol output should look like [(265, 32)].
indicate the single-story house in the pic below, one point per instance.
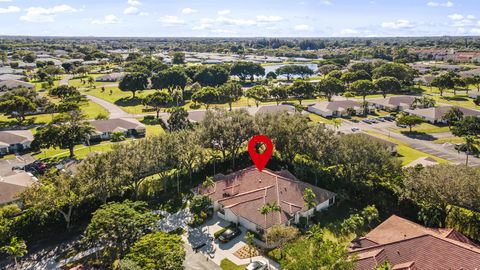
[(14, 183), (239, 196), (112, 77), (13, 84), (338, 108), (12, 141), (128, 126), (10, 77), (423, 161), (394, 103), (435, 114), (410, 246), (474, 94)]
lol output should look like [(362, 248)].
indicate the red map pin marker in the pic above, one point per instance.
[(260, 160)]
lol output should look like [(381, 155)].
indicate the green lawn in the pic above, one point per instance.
[(226, 264), (81, 151), (320, 119), (78, 82), (405, 152), (453, 140), (424, 128)]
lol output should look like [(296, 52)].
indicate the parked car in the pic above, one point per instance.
[(402, 126), (373, 121), (355, 129), (380, 119), (366, 121), (229, 234), (256, 265)]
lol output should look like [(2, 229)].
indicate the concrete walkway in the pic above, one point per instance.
[(64, 80), (114, 110)]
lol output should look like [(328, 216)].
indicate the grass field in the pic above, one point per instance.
[(424, 127), (81, 151), (226, 264), (405, 152)]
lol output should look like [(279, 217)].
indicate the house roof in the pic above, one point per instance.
[(118, 124), (406, 244), (11, 77), (424, 161), (8, 137), (10, 84), (14, 184), (337, 105), (438, 112), (393, 101), (111, 76), (246, 191)]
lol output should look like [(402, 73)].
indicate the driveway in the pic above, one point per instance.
[(216, 251), (7, 164)]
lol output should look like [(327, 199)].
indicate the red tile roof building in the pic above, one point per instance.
[(240, 195), (407, 245)]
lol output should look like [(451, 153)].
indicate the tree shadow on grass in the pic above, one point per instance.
[(128, 102), (419, 135), (456, 98)]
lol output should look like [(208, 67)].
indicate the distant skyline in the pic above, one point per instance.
[(245, 18)]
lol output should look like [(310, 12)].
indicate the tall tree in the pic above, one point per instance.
[(66, 131), (279, 235), (452, 116), (362, 88), (157, 100), (170, 79), (133, 82), (279, 93), (16, 249), (302, 90), (387, 85), (57, 191), (158, 250), (442, 82), (409, 120), (208, 95), (212, 75), (178, 120), (231, 92), (330, 86), (18, 107), (178, 58), (258, 93)]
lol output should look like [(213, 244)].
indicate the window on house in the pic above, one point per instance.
[(331, 201)]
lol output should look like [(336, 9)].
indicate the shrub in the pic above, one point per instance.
[(117, 137), (101, 116)]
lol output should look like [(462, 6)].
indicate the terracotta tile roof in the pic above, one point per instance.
[(246, 191), (408, 245)]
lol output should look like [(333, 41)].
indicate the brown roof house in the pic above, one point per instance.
[(12, 141), (13, 184), (128, 126), (239, 196), (435, 114), (407, 245), (112, 77)]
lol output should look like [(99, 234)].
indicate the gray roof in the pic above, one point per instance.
[(11, 84), (393, 101), (438, 112), (9, 137), (337, 104), (117, 125), (6, 77)]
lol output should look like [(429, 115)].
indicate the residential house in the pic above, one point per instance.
[(423, 161), (407, 245), (393, 103), (435, 114), (104, 129), (112, 77), (13, 84), (13, 184), (338, 108), (13, 141), (474, 94), (239, 196), (10, 77)]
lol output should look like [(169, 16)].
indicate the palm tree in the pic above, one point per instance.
[(309, 199), (469, 147), (177, 95), (208, 182), (16, 249), (249, 238), (336, 123), (91, 81), (264, 210)]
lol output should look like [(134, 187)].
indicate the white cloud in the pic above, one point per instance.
[(143, 14), (326, 3), (171, 20), (108, 19), (41, 14), (470, 17), (224, 12), (237, 22), (398, 24), (205, 23), (303, 27), (262, 18), (130, 10), (5, 1), (134, 2), (223, 31), (348, 31), (439, 4), (10, 9), (189, 11), (475, 31), (456, 17)]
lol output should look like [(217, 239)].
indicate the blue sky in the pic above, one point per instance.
[(240, 18)]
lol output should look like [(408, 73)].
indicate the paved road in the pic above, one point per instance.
[(426, 146), (114, 110), (197, 261)]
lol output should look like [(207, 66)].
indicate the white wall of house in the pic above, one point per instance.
[(320, 112), (247, 224), (319, 207), (230, 216)]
